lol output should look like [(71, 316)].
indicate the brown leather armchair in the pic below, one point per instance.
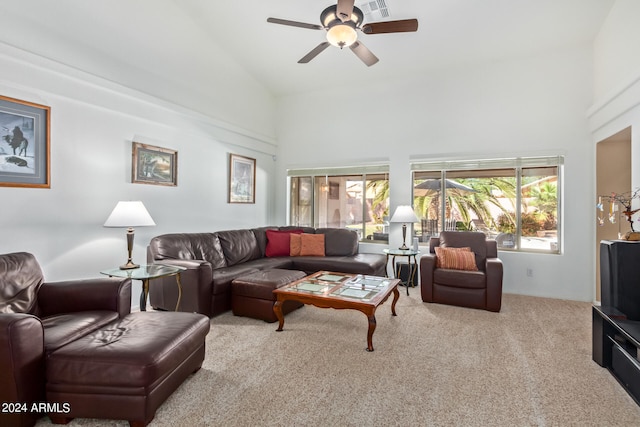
[(476, 289), (38, 317)]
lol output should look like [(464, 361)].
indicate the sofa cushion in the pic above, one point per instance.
[(61, 329), (459, 278), (191, 246), (284, 262), (309, 230), (279, 242), (261, 237), (312, 244), (260, 284), (372, 264), (132, 353), (339, 241), (239, 246), (20, 279), (222, 277)]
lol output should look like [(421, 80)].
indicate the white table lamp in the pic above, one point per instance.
[(405, 215), (129, 215)]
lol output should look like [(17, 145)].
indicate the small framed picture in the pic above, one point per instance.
[(24, 144), (154, 165), (242, 179)]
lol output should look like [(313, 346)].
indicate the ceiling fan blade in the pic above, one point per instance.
[(402, 26), (364, 54), (295, 24), (345, 9), (315, 52)]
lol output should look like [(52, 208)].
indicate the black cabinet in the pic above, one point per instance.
[(615, 347), (616, 323)]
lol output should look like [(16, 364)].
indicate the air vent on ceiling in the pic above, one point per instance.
[(375, 10)]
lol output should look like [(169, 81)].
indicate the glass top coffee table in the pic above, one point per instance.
[(327, 289)]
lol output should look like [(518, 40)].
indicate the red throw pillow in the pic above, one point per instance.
[(312, 244), (278, 242), (456, 259)]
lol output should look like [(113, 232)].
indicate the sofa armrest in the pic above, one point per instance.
[(22, 361), (197, 287), (494, 283), (69, 296), (427, 267), (185, 263)]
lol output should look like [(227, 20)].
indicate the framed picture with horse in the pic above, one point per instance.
[(24, 144)]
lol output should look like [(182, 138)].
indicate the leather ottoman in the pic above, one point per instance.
[(126, 369), (252, 294)]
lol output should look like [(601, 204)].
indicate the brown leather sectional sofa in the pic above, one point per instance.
[(214, 259)]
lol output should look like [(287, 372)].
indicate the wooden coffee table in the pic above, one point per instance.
[(328, 289)]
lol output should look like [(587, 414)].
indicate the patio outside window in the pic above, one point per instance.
[(514, 201)]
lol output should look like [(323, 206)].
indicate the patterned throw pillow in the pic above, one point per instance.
[(456, 259), (312, 244)]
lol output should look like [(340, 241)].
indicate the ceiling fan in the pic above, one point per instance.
[(341, 22)]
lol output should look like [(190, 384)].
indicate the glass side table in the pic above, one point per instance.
[(413, 268), (146, 273)]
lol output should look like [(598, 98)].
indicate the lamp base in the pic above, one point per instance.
[(404, 246), (129, 266)]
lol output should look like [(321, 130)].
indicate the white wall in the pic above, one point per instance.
[(93, 124), (153, 47), (617, 62), (521, 107), (617, 79), (617, 82)]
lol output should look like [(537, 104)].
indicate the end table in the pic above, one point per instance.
[(146, 273), (410, 254)]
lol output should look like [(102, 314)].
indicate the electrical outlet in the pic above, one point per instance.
[(529, 272)]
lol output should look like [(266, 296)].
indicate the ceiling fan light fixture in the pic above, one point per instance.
[(342, 26), (341, 35)]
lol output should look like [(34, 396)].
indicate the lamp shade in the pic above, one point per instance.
[(404, 213), (129, 214), (342, 35)]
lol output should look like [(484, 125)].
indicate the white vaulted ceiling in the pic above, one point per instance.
[(187, 43)]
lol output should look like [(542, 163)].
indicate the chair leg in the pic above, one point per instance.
[(59, 419)]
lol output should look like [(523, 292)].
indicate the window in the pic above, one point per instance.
[(353, 198), (514, 201)]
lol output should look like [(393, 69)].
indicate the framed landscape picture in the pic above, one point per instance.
[(24, 144), (242, 179), (154, 165)]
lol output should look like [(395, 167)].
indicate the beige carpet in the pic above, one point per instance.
[(433, 365)]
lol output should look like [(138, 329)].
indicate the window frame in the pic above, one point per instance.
[(518, 164), (326, 173)]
